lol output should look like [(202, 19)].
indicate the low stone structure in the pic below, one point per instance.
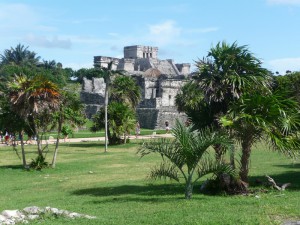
[(33, 212), (160, 81)]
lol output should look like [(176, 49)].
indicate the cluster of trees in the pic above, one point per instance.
[(230, 94), (34, 98)]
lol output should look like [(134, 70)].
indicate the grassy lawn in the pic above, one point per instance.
[(113, 187)]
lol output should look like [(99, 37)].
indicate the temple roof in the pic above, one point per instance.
[(152, 72)]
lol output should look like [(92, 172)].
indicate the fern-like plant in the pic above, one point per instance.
[(186, 155), (39, 163)]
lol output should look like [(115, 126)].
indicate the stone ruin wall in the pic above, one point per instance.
[(156, 107), (159, 86), (92, 95)]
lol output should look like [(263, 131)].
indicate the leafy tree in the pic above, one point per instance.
[(34, 99), (121, 120), (186, 155), (11, 121), (87, 73), (71, 112), (290, 84)]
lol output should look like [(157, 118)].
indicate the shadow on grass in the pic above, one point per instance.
[(290, 166), (85, 145), (13, 167), (292, 177), (117, 192)]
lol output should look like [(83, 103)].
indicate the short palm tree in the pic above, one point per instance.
[(273, 118), (186, 155)]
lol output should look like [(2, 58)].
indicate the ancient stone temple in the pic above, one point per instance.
[(160, 81)]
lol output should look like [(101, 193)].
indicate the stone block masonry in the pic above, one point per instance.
[(159, 80)]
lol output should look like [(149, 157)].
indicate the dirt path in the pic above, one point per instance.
[(74, 140)]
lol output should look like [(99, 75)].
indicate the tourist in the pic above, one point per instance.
[(137, 129), (6, 137), (167, 127)]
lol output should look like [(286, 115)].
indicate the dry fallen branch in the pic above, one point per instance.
[(280, 188)]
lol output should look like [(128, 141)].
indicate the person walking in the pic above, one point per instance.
[(167, 127), (6, 137), (137, 129)]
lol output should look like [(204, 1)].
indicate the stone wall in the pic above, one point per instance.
[(139, 51), (155, 118), (159, 80)]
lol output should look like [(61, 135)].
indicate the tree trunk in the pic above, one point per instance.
[(105, 109), (189, 188), (39, 144), (246, 151), (23, 150), (57, 142), (232, 154), (219, 152)]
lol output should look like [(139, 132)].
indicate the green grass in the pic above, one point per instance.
[(113, 187)]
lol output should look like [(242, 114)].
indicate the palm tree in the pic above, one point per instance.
[(273, 118), (107, 73), (124, 89), (228, 71), (51, 64), (223, 77), (127, 92), (33, 99), (186, 155), (20, 56)]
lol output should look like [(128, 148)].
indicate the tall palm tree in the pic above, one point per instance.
[(33, 99), (20, 55), (228, 71), (223, 77), (186, 155), (129, 94)]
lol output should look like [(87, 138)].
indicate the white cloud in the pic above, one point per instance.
[(42, 41), (164, 33), (282, 65), (203, 30), (284, 2)]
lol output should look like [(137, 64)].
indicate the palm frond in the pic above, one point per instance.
[(164, 170), (208, 166)]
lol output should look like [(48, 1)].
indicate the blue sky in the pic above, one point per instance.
[(73, 32)]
